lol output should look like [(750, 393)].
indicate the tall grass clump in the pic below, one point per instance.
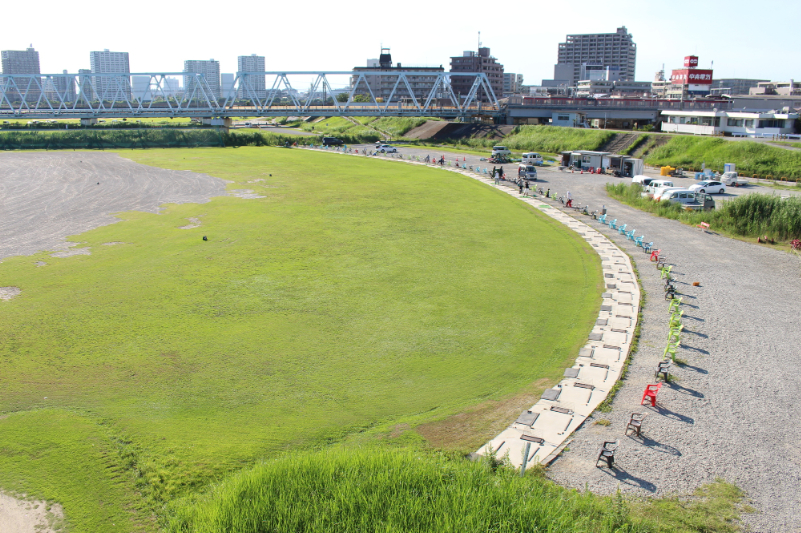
[(751, 215), (749, 156), (392, 490), (398, 126)]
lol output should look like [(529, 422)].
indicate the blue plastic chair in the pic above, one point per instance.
[(602, 219), (622, 229), (613, 224), (638, 241), (647, 246), (630, 234)]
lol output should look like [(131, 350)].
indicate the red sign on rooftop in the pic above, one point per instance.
[(691, 61)]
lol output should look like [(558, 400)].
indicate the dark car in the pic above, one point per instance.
[(332, 141)]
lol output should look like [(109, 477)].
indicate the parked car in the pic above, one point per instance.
[(709, 186), (532, 158), (528, 172), (660, 193), (690, 199), (387, 149), (500, 151), (332, 141), (655, 185)]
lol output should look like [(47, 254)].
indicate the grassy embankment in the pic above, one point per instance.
[(749, 216), (547, 139), (389, 490), (752, 158), (326, 311)]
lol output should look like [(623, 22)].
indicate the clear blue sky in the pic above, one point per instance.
[(744, 39)]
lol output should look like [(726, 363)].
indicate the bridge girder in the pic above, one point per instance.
[(52, 96)]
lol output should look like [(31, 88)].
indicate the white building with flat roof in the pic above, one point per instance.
[(729, 123)]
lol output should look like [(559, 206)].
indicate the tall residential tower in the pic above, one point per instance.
[(110, 87), (22, 62), (251, 86), (210, 70), (611, 52)]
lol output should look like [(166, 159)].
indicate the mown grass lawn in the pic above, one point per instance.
[(355, 296)]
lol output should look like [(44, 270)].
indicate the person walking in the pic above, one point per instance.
[(520, 185), (548, 193), (569, 200), (502, 174)]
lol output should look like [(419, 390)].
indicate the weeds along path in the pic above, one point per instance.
[(730, 411)]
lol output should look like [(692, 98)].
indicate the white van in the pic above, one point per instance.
[(678, 196), (528, 172), (657, 184), (500, 150), (532, 158), (663, 192)]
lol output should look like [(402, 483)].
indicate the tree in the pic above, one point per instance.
[(342, 97), (361, 98)]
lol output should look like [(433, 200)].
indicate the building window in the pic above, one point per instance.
[(736, 122)]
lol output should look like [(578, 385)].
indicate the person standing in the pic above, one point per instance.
[(520, 185), (569, 200), (501, 172)]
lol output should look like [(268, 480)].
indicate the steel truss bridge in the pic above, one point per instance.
[(152, 95)]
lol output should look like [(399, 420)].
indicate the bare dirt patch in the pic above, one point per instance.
[(257, 180), (23, 516), (6, 293), (247, 194), (472, 429), (48, 196), (193, 223), (112, 243), (40, 263)]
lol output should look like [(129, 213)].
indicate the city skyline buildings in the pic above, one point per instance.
[(663, 34)]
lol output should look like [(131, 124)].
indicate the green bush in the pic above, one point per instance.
[(751, 215)]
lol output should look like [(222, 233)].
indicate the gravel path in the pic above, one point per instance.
[(731, 411), (47, 196)]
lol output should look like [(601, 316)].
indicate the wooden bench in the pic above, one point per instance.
[(703, 226)]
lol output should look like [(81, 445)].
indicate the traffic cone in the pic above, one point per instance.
[(582, 171)]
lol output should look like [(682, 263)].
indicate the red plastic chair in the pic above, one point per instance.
[(650, 392), (655, 255)]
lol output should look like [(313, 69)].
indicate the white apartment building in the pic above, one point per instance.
[(210, 69), (110, 87), (227, 86), (512, 83), (598, 49), (251, 86), (734, 123), (141, 88)]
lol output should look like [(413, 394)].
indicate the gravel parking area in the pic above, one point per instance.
[(47, 196), (730, 412)]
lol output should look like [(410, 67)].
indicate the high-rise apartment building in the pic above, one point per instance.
[(597, 50), (480, 61), (110, 88), (63, 88), (251, 86), (210, 70), (21, 62)]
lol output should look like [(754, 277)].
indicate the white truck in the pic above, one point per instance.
[(731, 179)]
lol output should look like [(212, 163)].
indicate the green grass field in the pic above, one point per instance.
[(356, 297)]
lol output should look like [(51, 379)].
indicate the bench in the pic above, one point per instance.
[(704, 226)]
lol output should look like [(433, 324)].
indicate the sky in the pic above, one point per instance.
[(743, 39)]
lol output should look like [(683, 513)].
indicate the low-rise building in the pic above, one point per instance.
[(382, 78), (730, 123), (782, 88)]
